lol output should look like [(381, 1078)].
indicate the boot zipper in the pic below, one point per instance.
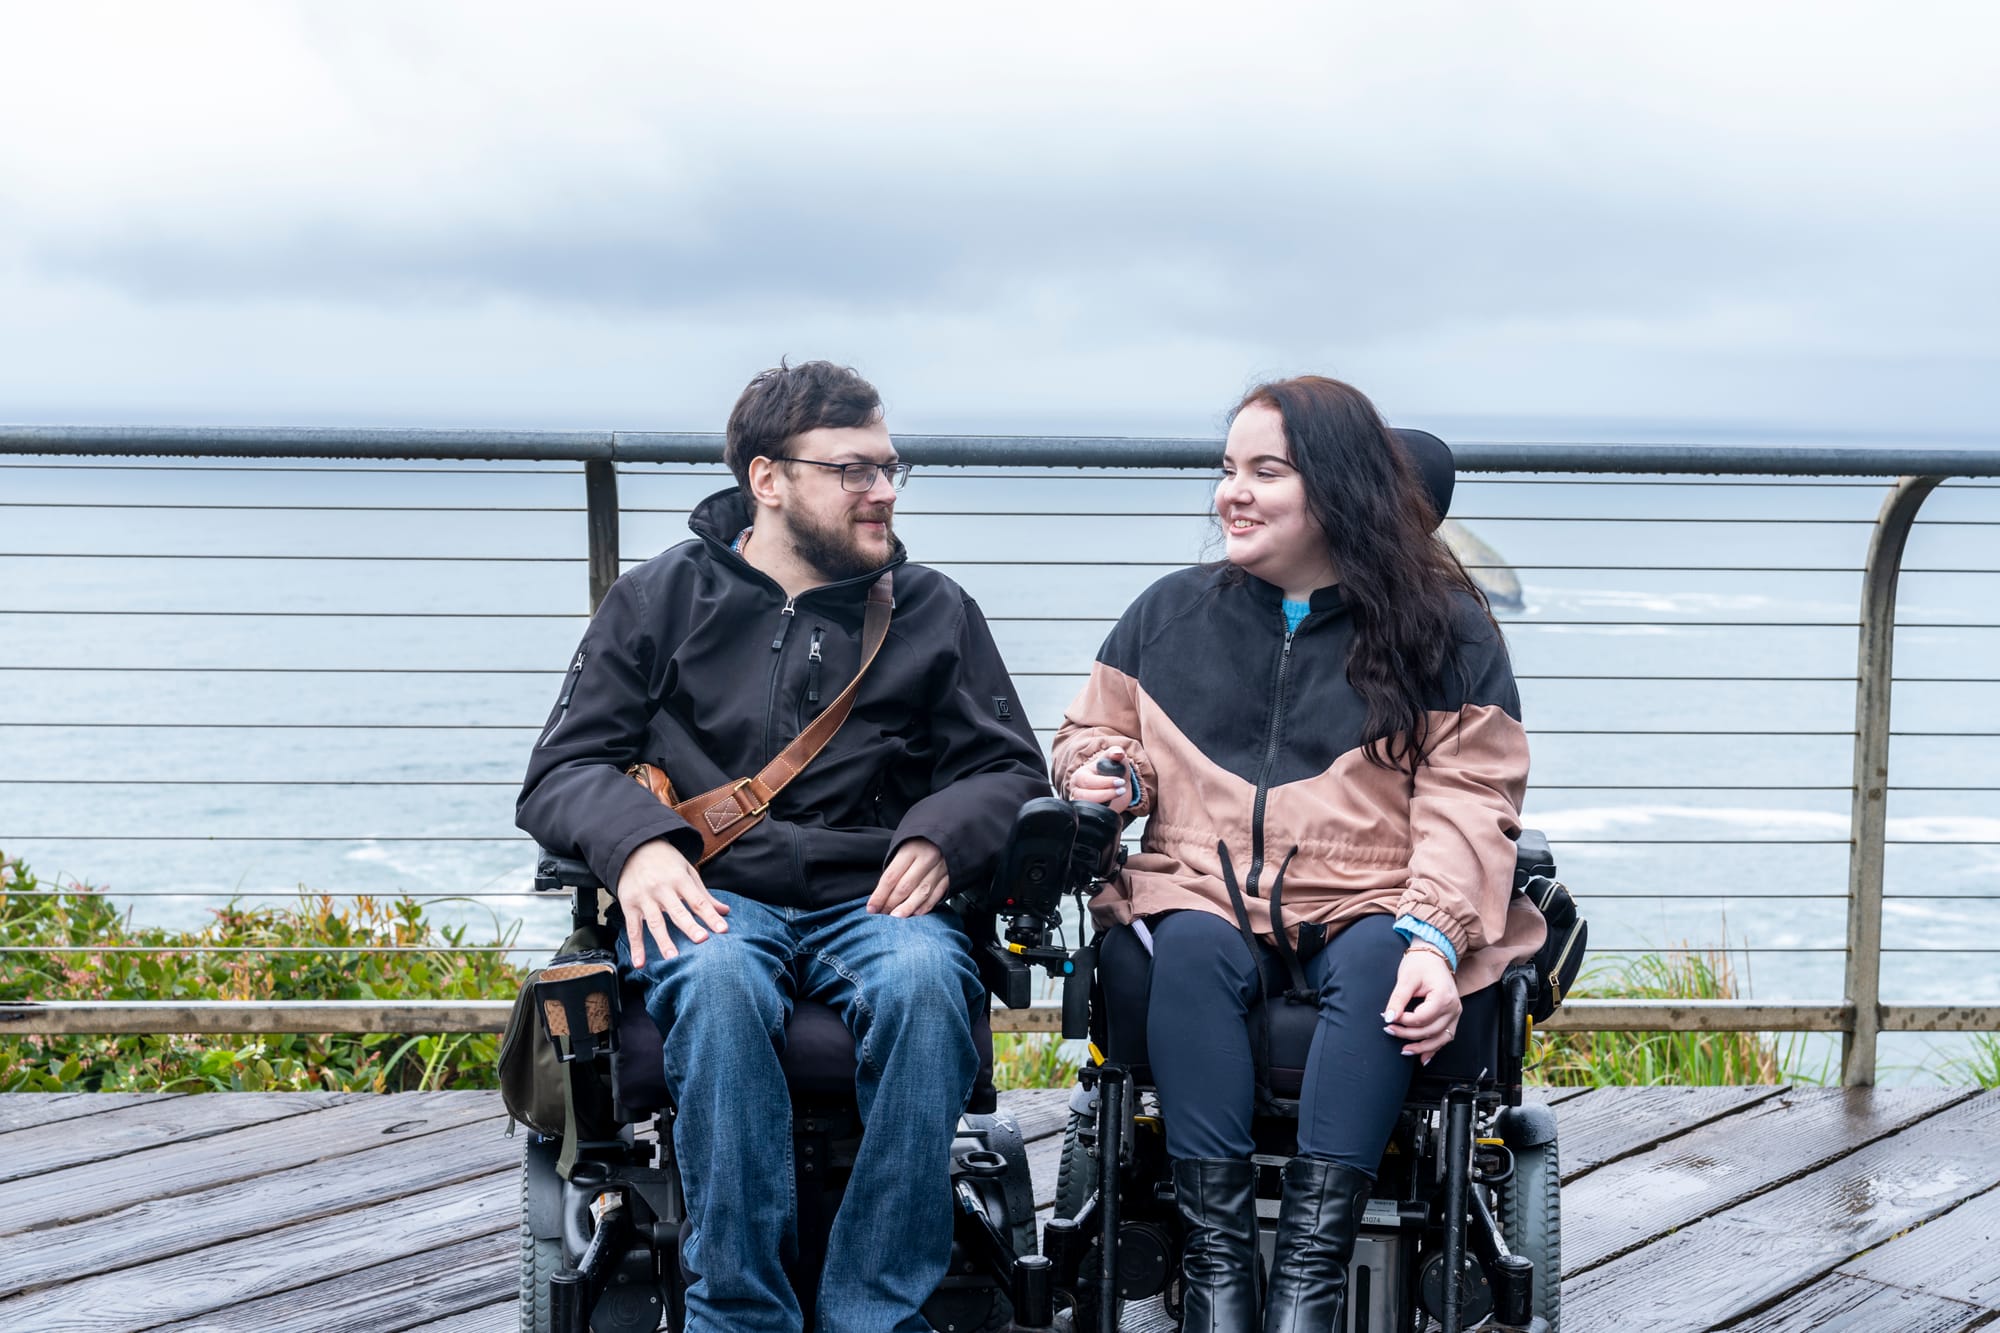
[(1270, 758)]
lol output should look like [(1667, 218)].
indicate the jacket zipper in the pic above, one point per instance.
[(1270, 758), (562, 704), (812, 669), (785, 618)]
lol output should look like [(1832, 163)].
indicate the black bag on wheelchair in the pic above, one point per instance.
[(1560, 958)]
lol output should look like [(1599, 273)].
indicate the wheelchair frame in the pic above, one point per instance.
[(1456, 1142), (601, 1250)]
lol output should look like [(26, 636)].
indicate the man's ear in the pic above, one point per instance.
[(764, 483)]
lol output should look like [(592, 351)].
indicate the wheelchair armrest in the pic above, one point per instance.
[(1517, 993), (563, 874)]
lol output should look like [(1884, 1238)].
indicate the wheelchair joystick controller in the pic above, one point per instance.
[(1056, 848)]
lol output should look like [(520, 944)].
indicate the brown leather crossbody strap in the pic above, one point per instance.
[(726, 813)]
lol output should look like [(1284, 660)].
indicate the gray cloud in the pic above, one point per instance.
[(1543, 207)]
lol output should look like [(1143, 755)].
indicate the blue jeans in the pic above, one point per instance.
[(905, 988)]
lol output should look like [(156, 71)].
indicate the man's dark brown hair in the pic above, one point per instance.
[(789, 400)]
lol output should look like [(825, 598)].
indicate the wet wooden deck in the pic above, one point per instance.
[(1762, 1210)]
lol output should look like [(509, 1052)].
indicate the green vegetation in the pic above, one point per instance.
[(1637, 1059), (1032, 1060), (84, 923), (37, 914), (1980, 1065)]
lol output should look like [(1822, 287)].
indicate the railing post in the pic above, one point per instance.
[(600, 490), (1876, 680)]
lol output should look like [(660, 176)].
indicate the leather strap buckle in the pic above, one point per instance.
[(742, 785)]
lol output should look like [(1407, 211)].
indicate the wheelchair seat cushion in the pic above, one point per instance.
[(1124, 968), (818, 1058)]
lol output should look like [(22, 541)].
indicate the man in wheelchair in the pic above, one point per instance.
[(797, 910)]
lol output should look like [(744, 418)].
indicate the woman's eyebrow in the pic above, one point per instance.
[(1260, 458)]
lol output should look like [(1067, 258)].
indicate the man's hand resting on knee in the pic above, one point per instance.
[(915, 881), (658, 885)]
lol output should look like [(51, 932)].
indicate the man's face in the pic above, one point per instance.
[(841, 533)]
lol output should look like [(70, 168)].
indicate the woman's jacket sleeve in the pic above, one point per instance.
[(1105, 714), (1465, 802)]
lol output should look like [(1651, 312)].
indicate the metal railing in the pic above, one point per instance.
[(1859, 1017)]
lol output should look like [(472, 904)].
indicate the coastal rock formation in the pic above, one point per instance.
[(1491, 572)]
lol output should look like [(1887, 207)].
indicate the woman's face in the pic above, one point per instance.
[(1266, 527)]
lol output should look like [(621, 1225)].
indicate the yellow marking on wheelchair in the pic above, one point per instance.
[(1494, 1143), (1096, 1056), (1151, 1122), (1017, 948)]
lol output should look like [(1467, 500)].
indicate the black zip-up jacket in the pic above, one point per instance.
[(696, 662)]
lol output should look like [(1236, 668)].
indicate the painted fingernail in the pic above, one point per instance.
[(1427, 1059)]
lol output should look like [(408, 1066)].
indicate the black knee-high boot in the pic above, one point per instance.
[(1317, 1223), (1217, 1199)]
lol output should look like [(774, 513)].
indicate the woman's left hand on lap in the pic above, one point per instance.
[(1426, 978)]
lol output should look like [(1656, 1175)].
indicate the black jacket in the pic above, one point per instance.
[(695, 663)]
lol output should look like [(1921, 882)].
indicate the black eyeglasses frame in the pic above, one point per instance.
[(899, 473)]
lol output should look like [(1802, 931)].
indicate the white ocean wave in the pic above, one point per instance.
[(1631, 819)]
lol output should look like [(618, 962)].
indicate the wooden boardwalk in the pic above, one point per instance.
[(1761, 1210)]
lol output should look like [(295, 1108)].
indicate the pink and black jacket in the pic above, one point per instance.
[(1244, 734)]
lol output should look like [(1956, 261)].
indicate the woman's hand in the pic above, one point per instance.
[(1114, 790), (1426, 978)]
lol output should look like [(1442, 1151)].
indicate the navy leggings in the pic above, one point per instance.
[(1198, 1037)]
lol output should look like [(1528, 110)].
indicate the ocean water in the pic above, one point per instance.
[(380, 710)]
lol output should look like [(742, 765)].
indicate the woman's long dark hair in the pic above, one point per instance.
[(1400, 581)]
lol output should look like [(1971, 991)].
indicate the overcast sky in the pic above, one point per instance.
[(1100, 217)]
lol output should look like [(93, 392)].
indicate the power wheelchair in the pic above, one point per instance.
[(1468, 1184), (603, 1217)]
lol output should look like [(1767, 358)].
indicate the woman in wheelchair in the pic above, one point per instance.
[(1323, 735)]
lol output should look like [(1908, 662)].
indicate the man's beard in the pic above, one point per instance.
[(833, 547)]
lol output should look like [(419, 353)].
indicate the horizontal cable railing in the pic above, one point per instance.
[(1686, 651)]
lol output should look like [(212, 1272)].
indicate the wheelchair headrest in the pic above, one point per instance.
[(1434, 464)]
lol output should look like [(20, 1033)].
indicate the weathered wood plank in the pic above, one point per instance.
[(25, 1110), (192, 1286), (1038, 1111), (444, 1283), (1934, 1257), (158, 1228), (1844, 1304), (1634, 1200), (502, 1318), (1597, 1130), (1736, 1261), (347, 1125), (136, 1127)]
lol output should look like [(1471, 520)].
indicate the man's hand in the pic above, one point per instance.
[(658, 885), (915, 882), (1425, 977), (1112, 789)]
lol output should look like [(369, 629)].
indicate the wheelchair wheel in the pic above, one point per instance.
[(1531, 1221), (1076, 1172), (1084, 1317), (540, 1260)]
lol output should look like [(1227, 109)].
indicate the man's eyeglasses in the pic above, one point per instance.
[(858, 477)]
